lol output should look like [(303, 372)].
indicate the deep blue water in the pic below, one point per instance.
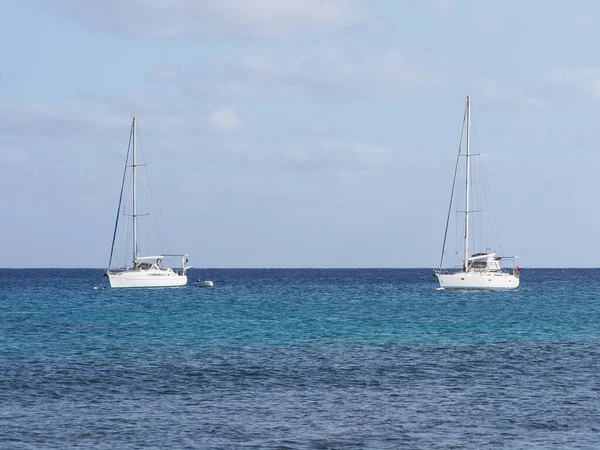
[(299, 359)]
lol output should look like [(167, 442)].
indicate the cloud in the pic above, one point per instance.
[(224, 119), (584, 80), (440, 5), (505, 94), (106, 115), (584, 24), (55, 119), (13, 157), (207, 19), (334, 155), (356, 148), (167, 73), (325, 71)]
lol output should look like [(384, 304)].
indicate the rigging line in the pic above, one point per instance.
[(126, 229), (112, 247), (493, 235), (127, 237), (153, 206), (143, 235), (478, 197), (476, 229), (453, 186), (477, 236), (455, 262), (482, 193), (487, 238), (492, 215)]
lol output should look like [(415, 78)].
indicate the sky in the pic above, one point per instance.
[(279, 133)]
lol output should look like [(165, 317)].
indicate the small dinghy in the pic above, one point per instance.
[(204, 283)]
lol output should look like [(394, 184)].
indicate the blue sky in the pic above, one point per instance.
[(297, 134)]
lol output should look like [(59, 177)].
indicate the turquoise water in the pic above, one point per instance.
[(299, 359)]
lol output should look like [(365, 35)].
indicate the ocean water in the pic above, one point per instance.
[(299, 359)]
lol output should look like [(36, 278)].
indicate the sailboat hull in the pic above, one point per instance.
[(478, 280), (146, 279)]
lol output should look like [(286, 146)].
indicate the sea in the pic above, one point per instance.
[(299, 359)]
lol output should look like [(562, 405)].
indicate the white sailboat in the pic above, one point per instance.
[(481, 270), (146, 271)]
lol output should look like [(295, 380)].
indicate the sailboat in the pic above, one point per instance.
[(146, 271), (480, 270)]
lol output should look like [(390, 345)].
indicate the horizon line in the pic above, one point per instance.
[(290, 268)]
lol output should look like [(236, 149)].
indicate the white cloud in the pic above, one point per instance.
[(502, 93), (51, 119), (224, 119), (212, 19), (334, 155), (585, 80), (440, 5), (356, 148), (101, 116), (325, 71), (167, 73), (584, 24), (13, 157)]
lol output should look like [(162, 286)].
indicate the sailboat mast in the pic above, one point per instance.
[(467, 183), (134, 206)]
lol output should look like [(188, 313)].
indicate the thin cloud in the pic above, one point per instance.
[(13, 157), (99, 117), (440, 5), (584, 80), (585, 24), (209, 19), (57, 119), (324, 72), (356, 148), (509, 95), (224, 119), (334, 155)]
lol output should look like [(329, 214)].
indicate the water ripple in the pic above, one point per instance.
[(311, 359)]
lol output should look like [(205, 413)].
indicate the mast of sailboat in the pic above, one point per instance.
[(134, 206), (467, 185)]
